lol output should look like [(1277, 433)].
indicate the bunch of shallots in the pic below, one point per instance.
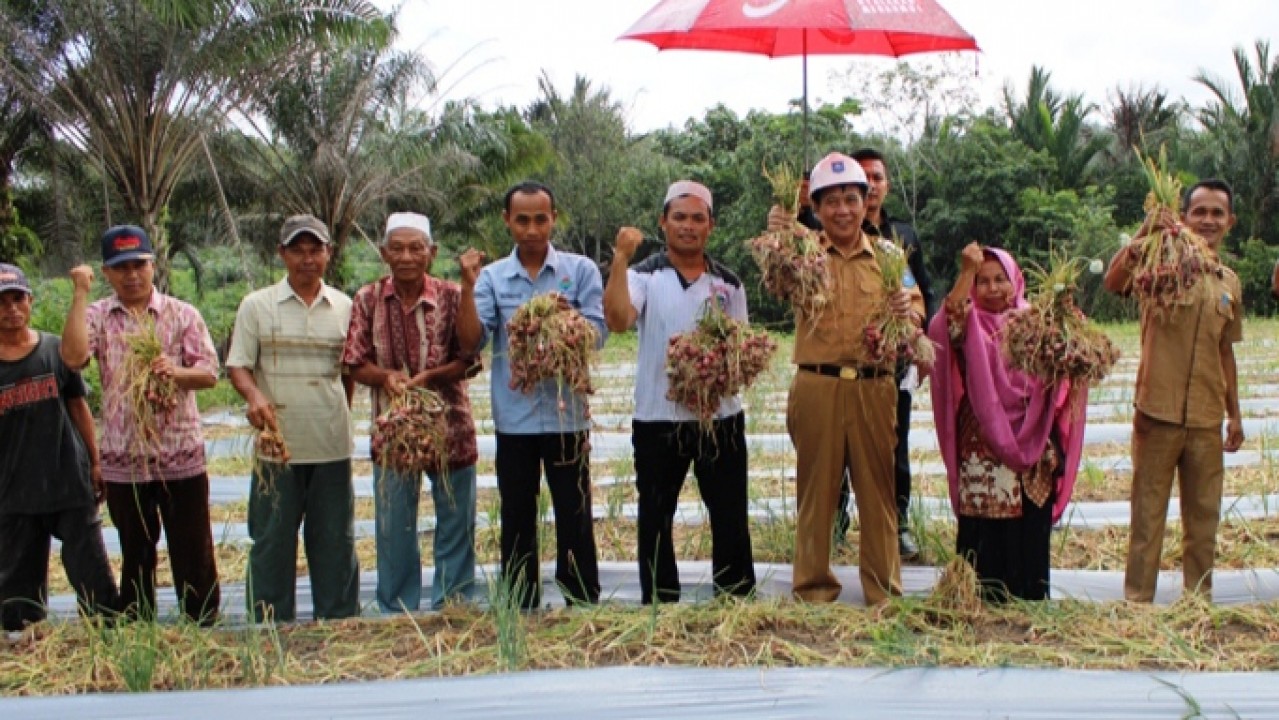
[(271, 446), (547, 342), (714, 361), (146, 394), (889, 337), (1051, 339), (1170, 261), (411, 434), (793, 265)]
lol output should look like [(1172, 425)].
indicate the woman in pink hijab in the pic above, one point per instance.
[(1011, 445)]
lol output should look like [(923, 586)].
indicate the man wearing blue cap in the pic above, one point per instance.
[(154, 475), (50, 479)]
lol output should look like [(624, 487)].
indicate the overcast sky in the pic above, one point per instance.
[(494, 50)]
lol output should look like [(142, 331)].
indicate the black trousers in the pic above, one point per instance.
[(565, 458), (1012, 557), (901, 472), (137, 510), (663, 452), (24, 563)]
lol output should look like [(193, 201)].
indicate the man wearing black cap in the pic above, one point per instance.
[(50, 479), (154, 474), (285, 361)]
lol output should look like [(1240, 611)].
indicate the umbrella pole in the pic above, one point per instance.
[(806, 139)]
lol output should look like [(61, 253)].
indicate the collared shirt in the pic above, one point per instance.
[(424, 336), (502, 288), (892, 228), (1181, 379), (667, 305), (295, 352), (179, 451), (836, 335)]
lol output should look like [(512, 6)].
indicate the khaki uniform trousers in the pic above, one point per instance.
[(1195, 454), (836, 423)]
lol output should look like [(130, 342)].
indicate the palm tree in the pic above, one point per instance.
[(137, 84), (1047, 121), (344, 140), (1243, 128)]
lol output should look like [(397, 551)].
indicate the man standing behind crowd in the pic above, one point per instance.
[(665, 295), (879, 222), (409, 330), (838, 412), (548, 428), (285, 361), (1186, 383), (50, 479), (153, 475)]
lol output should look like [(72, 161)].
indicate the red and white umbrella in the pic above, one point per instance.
[(779, 28)]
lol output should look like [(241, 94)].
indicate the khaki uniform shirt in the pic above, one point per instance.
[(295, 354), (1181, 379), (835, 336)]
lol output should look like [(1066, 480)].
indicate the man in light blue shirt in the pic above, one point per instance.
[(550, 427)]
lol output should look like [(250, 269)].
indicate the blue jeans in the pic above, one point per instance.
[(399, 559)]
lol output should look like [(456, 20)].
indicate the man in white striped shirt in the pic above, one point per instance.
[(663, 295), (285, 361)]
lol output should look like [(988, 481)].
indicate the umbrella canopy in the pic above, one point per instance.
[(779, 28)]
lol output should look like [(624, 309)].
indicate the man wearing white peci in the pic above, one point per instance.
[(664, 295)]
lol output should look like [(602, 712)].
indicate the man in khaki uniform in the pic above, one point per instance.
[(1180, 401), (841, 409)]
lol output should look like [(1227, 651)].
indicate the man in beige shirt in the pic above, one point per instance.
[(1180, 401), (285, 361), (841, 411)]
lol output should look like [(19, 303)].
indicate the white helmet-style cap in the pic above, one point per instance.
[(835, 169)]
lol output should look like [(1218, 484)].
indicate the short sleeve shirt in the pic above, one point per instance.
[(44, 466), (295, 353), (387, 334), (179, 452), (1181, 379), (668, 305)]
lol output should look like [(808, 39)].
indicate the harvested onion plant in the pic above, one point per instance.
[(793, 265), (1170, 262), (890, 337), (714, 362), (1051, 339), (410, 437), (550, 343), (148, 397), (269, 449)]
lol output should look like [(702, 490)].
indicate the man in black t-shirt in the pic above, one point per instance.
[(50, 483)]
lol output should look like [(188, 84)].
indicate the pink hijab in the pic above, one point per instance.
[(1015, 412)]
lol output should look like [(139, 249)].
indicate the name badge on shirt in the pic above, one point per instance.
[(908, 279)]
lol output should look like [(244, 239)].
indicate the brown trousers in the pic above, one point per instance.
[(1195, 454), (836, 423)]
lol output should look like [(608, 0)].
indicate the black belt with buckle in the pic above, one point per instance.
[(848, 373)]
